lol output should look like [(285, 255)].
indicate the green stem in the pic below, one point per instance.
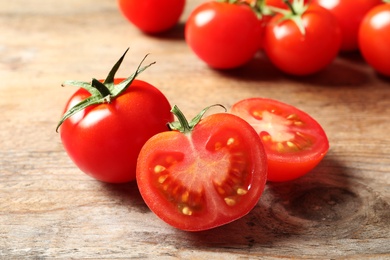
[(184, 126), (290, 6)]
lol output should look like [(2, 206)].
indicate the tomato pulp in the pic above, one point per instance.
[(205, 178), (294, 142)]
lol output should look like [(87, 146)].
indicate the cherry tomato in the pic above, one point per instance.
[(349, 14), (152, 16), (294, 142), (224, 35), (203, 176), (104, 139), (374, 38), (305, 45)]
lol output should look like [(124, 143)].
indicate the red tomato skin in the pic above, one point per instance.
[(288, 165), (152, 16), (104, 140), (224, 35), (194, 151), (298, 54), (349, 14), (374, 38)]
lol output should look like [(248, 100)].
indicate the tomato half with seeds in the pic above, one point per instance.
[(294, 141), (203, 175)]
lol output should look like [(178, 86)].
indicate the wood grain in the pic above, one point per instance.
[(49, 209)]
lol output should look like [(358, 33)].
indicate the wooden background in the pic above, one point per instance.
[(49, 209)]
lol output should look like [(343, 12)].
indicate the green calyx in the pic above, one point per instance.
[(261, 8), (101, 92), (296, 9), (182, 125)]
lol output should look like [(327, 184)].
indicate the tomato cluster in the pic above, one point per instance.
[(194, 175), (300, 37), (207, 172)]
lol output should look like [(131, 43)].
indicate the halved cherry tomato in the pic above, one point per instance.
[(205, 175), (294, 142)]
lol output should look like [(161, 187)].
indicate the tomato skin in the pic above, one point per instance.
[(298, 54), (152, 16), (104, 140), (374, 38), (200, 170), (294, 142), (223, 35), (349, 14)]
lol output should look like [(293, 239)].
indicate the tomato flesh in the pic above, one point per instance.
[(294, 142), (210, 177)]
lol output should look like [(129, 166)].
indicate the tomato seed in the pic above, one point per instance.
[(293, 117), (230, 141), (266, 137), (241, 191), (217, 146), (186, 211), (230, 201), (185, 196), (280, 147), (159, 168), (257, 115), (162, 178)]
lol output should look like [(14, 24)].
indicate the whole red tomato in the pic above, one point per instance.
[(374, 38), (304, 43), (205, 174), (349, 14), (152, 16), (224, 35), (103, 134), (294, 142)]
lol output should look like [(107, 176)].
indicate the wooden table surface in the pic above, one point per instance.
[(48, 208)]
